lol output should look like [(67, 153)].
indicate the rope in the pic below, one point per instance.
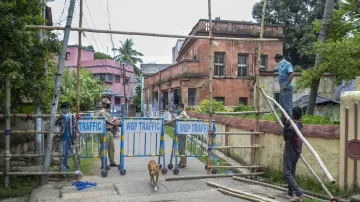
[(83, 185)]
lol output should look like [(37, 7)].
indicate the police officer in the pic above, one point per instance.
[(109, 137)]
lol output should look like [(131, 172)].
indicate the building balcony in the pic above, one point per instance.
[(186, 68)]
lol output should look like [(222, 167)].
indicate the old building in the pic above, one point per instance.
[(234, 65), (110, 72)]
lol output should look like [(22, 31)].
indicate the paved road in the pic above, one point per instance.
[(135, 185)]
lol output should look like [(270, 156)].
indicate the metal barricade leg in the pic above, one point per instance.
[(122, 151), (171, 166), (104, 172), (214, 171)]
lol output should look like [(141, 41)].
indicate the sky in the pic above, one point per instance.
[(153, 16)]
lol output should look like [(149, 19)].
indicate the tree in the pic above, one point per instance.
[(137, 98), (339, 54), (128, 54), (23, 55), (91, 88), (329, 7), (297, 16), (99, 55)]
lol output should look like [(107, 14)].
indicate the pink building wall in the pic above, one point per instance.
[(106, 66)]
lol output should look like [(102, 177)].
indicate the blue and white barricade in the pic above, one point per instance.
[(92, 126), (192, 132), (142, 137)]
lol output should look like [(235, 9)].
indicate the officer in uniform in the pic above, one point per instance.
[(109, 135)]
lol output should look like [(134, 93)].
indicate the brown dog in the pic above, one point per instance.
[(154, 171)]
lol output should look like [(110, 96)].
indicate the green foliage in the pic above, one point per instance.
[(297, 16), (137, 97), (306, 183), (99, 55), (127, 53), (90, 86), (205, 106), (19, 186)]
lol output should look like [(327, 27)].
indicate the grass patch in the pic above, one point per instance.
[(307, 184), (19, 186), (170, 131)]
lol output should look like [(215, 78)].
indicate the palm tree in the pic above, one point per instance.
[(129, 55)]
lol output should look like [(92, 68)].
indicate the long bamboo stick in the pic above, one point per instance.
[(211, 75), (240, 113), (27, 132), (192, 177), (147, 34), (316, 156), (7, 128), (29, 116), (239, 195), (239, 192), (40, 173), (269, 185)]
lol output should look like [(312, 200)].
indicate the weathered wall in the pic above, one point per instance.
[(324, 139), (271, 86)]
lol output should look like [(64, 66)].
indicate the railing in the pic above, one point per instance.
[(187, 67)]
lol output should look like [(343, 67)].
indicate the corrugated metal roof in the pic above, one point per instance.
[(304, 100)]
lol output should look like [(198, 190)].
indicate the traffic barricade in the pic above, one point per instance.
[(142, 137), (92, 126), (193, 132)]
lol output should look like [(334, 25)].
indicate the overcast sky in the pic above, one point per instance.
[(155, 16)]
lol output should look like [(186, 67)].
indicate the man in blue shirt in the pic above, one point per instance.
[(286, 74)]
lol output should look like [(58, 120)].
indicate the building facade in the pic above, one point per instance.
[(233, 66), (110, 72)]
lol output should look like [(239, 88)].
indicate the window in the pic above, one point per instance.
[(117, 101), (117, 78), (243, 65), (102, 77), (220, 99), (243, 100), (67, 57), (219, 62), (110, 77), (263, 62), (277, 98)]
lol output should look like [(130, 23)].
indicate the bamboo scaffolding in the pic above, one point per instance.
[(31, 155), (236, 166), (39, 173), (147, 34), (192, 177), (307, 144), (236, 147)]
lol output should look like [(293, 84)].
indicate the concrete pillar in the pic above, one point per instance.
[(349, 170), (169, 100), (184, 94)]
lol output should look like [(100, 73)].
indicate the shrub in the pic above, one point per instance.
[(217, 106)]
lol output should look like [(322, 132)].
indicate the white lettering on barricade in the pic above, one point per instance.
[(192, 127), (143, 126), (191, 133), (142, 137), (91, 126)]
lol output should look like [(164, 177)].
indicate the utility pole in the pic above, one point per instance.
[(77, 160), (55, 98), (125, 97)]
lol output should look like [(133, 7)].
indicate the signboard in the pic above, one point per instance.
[(142, 126), (91, 125), (192, 127)]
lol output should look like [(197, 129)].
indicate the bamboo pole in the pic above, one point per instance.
[(307, 144), (239, 133), (240, 113), (147, 34), (78, 84), (29, 116), (239, 192), (55, 98), (30, 155), (41, 173), (239, 195), (193, 177), (257, 93), (7, 128), (301, 156), (26, 132), (236, 147), (270, 186), (211, 75)]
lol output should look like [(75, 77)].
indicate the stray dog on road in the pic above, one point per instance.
[(154, 171)]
